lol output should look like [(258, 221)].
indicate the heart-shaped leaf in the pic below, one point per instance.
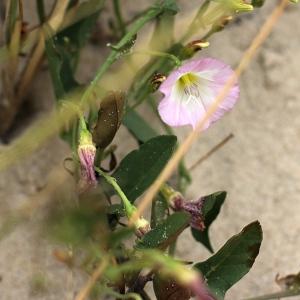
[(164, 234), (232, 261), (211, 208), (139, 168)]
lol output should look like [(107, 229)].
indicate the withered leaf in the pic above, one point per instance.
[(169, 289), (109, 119)]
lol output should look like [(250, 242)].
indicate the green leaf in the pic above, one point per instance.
[(235, 5), (258, 3), (75, 226), (12, 16), (116, 237), (139, 168), (78, 34), (138, 127), (116, 209), (63, 52), (109, 119), (164, 234), (232, 261), (211, 208), (61, 71), (168, 6)]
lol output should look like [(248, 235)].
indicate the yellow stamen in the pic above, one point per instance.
[(187, 80)]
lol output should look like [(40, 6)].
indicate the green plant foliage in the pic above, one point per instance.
[(139, 168), (76, 226), (258, 3), (118, 236), (165, 233), (233, 260), (211, 209), (13, 13), (60, 67), (138, 127), (63, 51), (169, 6)]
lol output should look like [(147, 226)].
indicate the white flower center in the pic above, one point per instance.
[(188, 86)]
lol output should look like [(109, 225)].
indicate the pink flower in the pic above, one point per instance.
[(200, 290), (86, 153), (192, 88), (194, 208)]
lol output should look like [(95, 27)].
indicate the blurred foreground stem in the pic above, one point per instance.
[(120, 22), (150, 14)]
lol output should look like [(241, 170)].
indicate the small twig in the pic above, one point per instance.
[(210, 152), (86, 289)]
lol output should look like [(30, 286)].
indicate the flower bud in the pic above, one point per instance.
[(157, 80), (194, 208), (178, 203), (191, 48), (220, 25), (174, 198), (236, 5), (142, 227), (86, 153)]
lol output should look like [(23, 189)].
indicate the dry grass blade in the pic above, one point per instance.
[(210, 152), (86, 289), (191, 138)]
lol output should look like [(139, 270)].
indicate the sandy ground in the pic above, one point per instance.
[(259, 169)]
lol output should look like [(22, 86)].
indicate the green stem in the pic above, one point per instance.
[(150, 14), (129, 208), (75, 137), (120, 22), (196, 21), (82, 123), (159, 54), (41, 10), (172, 248)]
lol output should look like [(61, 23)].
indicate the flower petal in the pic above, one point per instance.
[(178, 108)]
